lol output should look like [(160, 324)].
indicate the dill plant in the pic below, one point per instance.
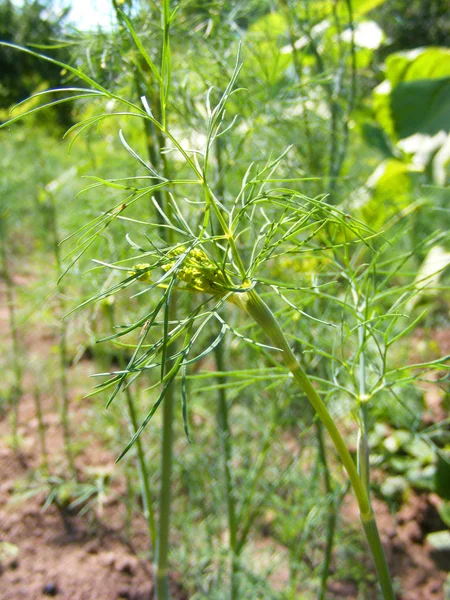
[(48, 207), (207, 260), (211, 260)]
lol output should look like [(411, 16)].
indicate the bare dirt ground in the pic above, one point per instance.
[(73, 557), (60, 552)]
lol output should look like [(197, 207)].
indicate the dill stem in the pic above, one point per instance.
[(261, 313), (144, 477), (225, 441), (62, 345), (332, 513), (165, 497), (143, 471), (41, 429), (16, 391)]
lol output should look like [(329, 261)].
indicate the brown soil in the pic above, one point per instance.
[(61, 553), (414, 565)]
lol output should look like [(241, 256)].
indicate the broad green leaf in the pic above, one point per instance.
[(421, 106), (362, 7), (387, 191), (395, 489), (443, 481), (430, 272), (272, 25), (415, 97), (422, 63), (444, 513)]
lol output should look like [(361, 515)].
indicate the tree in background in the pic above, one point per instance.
[(37, 22), (413, 24)]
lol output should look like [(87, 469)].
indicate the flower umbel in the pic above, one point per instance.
[(198, 271), (141, 271)]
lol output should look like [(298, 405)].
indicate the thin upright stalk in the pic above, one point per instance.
[(363, 438), (41, 429), (152, 139), (128, 527), (298, 67), (225, 441), (223, 424), (65, 406), (298, 552), (143, 471), (332, 513), (16, 391), (165, 497), (144, 476), (335, 108), (62, 346), (262, 314), (350, 96)]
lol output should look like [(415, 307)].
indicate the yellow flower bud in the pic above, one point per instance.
[(198, 271), (140, 270)]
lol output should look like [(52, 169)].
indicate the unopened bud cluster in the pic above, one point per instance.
[(141, 271), (198, 271)]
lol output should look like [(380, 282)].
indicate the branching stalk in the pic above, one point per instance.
[(143, 471), (225, 441), (144, 477), (363, 439), (261, 313), (332, 512), (16, 391), (165, 497), (41, 429), (62, 346)]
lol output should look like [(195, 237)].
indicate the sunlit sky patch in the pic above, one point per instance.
[(86, 14), (91, 13)]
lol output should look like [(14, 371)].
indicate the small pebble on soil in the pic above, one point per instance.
[(50, 589)]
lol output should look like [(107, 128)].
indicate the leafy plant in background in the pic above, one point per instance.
[(37, 22), (50, 216), (17, 366)]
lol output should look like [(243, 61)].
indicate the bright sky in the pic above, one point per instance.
[(89, 13), (86, 14)]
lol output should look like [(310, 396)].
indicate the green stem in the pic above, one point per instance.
[(162, 554), (41, 429), (379, 558), (129, 503), (65, 415), (363, 439), (143, 471), (165, 496), (223, 423), (142, 465), (332, 515), (262, 314), (298, 67), (16, 391), (225, 439)]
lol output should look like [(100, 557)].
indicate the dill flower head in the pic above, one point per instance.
[(141, 271), (198, 271)]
